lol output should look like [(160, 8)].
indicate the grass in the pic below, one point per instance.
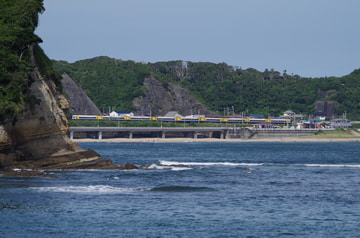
[(338, 133)]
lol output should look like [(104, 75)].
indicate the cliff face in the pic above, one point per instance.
[(159, 99), (40, 128), (37, 136), (80, 103)]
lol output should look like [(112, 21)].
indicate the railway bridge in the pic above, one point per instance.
[(160, 132), (190, 132)]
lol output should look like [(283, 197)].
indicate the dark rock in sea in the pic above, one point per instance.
[(128, 166), (81, 159)]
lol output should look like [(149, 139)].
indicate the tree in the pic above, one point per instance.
[(18, 20)]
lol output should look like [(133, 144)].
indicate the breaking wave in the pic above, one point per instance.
[(174, 163), (334, 165), (96, 189)]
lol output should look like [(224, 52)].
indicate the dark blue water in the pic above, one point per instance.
[(194, 190)]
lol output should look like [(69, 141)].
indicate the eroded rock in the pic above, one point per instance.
[(37, 137)]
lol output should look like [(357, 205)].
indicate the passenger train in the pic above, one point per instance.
[(250, 120)]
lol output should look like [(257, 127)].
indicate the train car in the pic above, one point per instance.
[(83, 117), (249, 120)]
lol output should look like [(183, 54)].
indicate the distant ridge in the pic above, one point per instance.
[(202, 87)]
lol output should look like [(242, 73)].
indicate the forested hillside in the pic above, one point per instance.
[(219, 87), (19, 52), (108, 82)]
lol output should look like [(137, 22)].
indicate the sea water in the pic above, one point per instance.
[(193, 190)]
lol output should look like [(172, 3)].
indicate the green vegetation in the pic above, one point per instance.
[(19, 52), (338, 133), (108, 82), (355, 126), (111, 82)]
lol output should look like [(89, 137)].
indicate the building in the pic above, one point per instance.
[(341, 123), (292, 115), (324, 110), (173, 114), (121, 114)]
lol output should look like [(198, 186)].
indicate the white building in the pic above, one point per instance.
[(121, 114)]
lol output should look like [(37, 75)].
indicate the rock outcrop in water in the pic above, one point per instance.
[(37, 137)]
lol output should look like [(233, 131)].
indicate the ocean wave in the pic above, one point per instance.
[(174, 163), (334, 165), (171, 167), (97, 189), (181, 189), (180, 168)]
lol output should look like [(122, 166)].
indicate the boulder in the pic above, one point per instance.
[(129, 166)]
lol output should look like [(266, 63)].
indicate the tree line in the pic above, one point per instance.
[(217, 86)]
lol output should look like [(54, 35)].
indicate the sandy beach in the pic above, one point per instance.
[(187, 140)]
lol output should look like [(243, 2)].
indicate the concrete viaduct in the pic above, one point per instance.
[(194, 132)]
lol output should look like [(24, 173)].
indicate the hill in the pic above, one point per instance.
[(219, 88)]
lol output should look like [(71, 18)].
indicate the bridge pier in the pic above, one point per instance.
[(222, 135), (100, 135), (163, 134), (131, 134), (196, 134), (227, 135), (71, 135)]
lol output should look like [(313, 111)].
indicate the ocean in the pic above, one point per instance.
[(246, 189)]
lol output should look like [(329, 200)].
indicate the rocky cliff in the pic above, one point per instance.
[(80, 103), (160, 99), (36, 138)]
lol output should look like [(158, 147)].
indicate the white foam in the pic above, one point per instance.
[(180, 168), (156, 166), (27, 170), (334, 165), (174, 163), (92, 189), (171, 167)]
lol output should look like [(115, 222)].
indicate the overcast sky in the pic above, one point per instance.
[(311, 38)]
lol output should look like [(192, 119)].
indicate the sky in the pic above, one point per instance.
[(310, 38)]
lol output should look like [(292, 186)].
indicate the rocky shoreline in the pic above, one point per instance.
[(82, 159), (35, 140)]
